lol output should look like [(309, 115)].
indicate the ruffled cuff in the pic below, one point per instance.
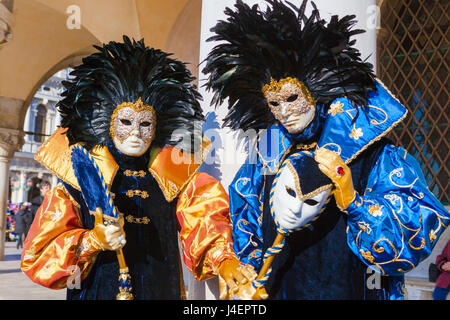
[(89, 245), (218, 254)]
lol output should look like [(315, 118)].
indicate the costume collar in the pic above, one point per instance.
[(128, 162), (348, 136), (312, 132), (55, 155), (271, 147), (173, 169), (338, 133), (169, 166)]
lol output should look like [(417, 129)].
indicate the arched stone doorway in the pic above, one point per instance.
[(184, 37), (43, 44)]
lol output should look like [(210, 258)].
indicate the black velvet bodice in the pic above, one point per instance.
[(151, 251)]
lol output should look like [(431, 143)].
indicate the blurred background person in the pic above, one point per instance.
[(443, 281), (23, 221), (36, 201)]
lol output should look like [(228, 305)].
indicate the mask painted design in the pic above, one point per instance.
[(291, 208), (133, 127), (291, 103)]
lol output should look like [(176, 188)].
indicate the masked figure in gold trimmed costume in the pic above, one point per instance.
[(133, 108), (320, 111)]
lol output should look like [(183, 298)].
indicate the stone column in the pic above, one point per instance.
[(6, 20), (22, 186), (54, 181), (231, 153), (10, 141)]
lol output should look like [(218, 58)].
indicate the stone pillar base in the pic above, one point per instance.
[(420, 289)]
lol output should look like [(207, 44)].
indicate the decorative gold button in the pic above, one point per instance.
[(139, 193), (143, 220), (140, 173)]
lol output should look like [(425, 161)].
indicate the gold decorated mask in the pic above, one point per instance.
[(133, 127), (291, 103)]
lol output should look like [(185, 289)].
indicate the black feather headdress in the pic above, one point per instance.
[(125, 72), (282, 42)]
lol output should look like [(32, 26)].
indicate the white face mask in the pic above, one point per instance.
[(290, 105), (133, 131), (291, 208)]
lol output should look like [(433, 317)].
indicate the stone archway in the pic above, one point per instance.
[(184, 37), (37, 49), (71, 61), (6, 21), (43, 43)]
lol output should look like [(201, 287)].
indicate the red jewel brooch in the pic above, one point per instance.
[(340, 170)]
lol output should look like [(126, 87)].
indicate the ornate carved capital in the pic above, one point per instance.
[(10, 141), (6, 22)]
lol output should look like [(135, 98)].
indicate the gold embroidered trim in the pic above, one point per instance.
[(381, 135), (143, 220), (140, 173), (306, 146), (367, 255), (365, 227), (266, 163), (300, 194), (109, 220), (356, 133), (336, 108), (375, 210), (139, 193)]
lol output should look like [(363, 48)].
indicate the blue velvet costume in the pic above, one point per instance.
[(392, 225)]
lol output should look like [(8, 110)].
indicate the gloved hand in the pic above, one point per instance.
[(331, 164), (110, 237), (232, 275), (248, 292)]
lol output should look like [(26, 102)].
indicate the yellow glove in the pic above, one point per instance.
[(248, 292), (110, 237), (331, 164), (233, 275)]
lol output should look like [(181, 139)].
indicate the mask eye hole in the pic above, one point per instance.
[(291, 192), (292, 98), (311, 202), (125, 122), (145, 124), (274, 103)]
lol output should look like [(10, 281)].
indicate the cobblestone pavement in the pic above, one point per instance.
[(15, 285)]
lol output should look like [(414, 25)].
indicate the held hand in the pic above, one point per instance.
[(446, 267), (331, 164), (232, 275), (111, 237), (248, 292)]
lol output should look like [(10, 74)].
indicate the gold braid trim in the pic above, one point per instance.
[(385, 132), (140, 173)]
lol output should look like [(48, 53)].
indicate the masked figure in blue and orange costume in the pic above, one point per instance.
[(134, 112), (321, 117)]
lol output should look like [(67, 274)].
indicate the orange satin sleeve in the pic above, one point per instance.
[(205, 235), (57, 247)]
